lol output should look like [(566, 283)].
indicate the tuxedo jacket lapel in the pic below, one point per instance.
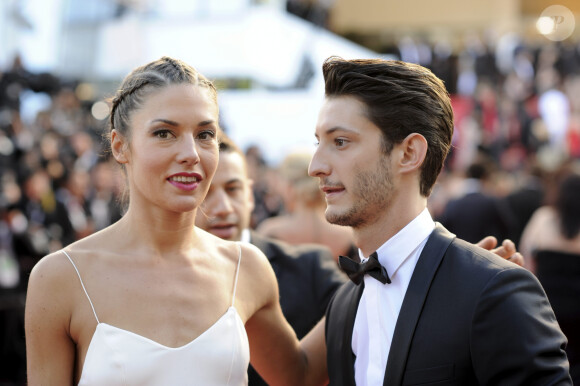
[(423, 275), (341, 314), (350, 317)]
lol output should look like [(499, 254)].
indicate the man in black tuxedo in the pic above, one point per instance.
[(428, 308), (307, 274)]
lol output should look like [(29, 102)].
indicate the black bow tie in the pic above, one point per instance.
[(356, 271)]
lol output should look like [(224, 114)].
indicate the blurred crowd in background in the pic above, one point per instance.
[(517, 137)]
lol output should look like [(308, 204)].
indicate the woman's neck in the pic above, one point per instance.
[(160, 232)]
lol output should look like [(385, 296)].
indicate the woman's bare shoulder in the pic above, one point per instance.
[(51, 286), (254, 259), (258, 287), (256, 277), (51, 267), (61, 263)]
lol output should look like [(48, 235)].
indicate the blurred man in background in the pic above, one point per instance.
[(307, 274)]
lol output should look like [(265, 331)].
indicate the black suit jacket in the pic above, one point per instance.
[(494, 217), (468, 318), (308, 277)]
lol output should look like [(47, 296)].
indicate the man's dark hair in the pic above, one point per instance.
[(227, 145), (400, 98)]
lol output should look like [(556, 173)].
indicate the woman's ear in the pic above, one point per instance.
[(118, 147), (414, 150)]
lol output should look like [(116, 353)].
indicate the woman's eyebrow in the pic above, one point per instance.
[(166, 121), (173, 123)]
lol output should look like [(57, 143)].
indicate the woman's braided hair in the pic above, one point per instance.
[(159, 73)]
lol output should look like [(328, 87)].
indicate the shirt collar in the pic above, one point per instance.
[(471, 185), (398, 248), (245, 236)]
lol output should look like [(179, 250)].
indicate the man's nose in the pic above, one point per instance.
[(221, 204), (318, 166)]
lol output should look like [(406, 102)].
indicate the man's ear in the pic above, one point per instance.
[(119, 147), (413, 151)]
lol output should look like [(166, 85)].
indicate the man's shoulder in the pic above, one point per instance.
[(282, 250), (476, 266), (466, 257), (472, 254)]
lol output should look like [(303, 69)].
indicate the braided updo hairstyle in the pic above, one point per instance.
[(142, 80)]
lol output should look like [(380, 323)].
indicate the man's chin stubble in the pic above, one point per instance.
[(344, 219)]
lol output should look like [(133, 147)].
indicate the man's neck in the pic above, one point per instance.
[(371, 236)]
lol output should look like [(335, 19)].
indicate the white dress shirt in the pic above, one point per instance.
[(246, 237), (380, 304)]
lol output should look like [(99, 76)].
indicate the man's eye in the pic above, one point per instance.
[(340, 142)]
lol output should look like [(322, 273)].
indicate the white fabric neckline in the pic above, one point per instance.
[(154, 342)]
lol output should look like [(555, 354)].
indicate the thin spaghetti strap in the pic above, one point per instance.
[(82, 285), (237, 272)]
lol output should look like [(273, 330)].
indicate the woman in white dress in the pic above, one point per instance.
[(152, 299)]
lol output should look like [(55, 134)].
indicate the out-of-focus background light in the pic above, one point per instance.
[(545, 25), (100, 110), (556, 23)]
